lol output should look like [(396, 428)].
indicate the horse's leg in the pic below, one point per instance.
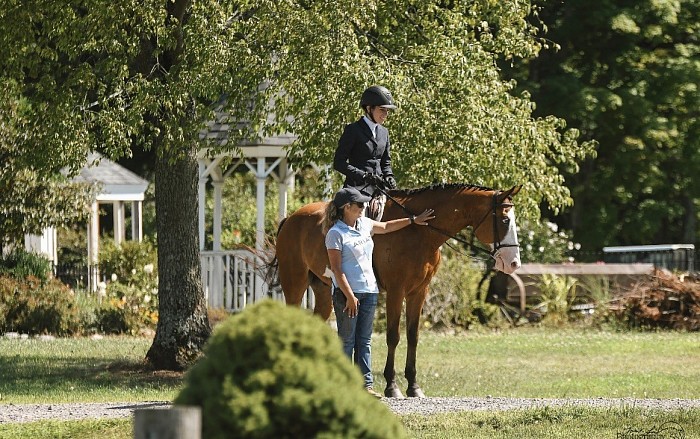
[(393, 318), (323, 298), (414, 305), (294, 280)]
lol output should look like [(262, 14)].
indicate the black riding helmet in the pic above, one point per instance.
[(377, 96)]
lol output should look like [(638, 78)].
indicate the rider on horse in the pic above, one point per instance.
[(364, 151)]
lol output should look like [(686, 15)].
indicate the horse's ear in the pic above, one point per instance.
[(510, 192)]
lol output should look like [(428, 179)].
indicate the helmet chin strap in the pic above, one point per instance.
[(368, 112)]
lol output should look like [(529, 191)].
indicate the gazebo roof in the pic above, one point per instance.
[(217, 131), (117, 182)]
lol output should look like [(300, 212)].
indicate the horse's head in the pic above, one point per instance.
[(500, 232)]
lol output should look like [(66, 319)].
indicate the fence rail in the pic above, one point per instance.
[(233, 279)]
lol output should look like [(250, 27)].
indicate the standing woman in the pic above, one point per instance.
[(363, 154), (349, 245)]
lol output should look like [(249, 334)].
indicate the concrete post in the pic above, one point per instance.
[(174, 423)]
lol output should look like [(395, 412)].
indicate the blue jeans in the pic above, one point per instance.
[(356, 333)]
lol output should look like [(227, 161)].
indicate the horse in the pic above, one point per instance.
[(405, 261)]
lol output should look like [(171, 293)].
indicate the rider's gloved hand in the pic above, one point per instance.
[(373, 179), (390, 182)]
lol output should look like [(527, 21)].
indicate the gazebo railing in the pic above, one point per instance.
[(233, 279)]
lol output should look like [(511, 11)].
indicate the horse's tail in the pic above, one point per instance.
[(271, 262)]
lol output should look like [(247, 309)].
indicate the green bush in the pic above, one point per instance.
[(128, 308), (128, 261), (454, 299), (21, 264), (543, 242), (274, 371), (129, 304), (31, 307), (557, 295)]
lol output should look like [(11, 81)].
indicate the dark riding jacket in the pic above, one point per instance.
[(359, 152)]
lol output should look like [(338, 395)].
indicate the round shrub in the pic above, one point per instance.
[(278, 372), (30, 307)]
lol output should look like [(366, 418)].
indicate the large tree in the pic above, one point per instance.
[(627, 75), (110, 75)]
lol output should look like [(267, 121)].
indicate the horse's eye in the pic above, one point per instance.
[(506, 220)]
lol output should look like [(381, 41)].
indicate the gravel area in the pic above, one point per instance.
[(429, 406), (34, 412)]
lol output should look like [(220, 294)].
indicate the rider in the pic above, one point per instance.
[(364, 151)]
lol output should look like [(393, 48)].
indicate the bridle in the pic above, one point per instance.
[(494, 208), (497, 245)]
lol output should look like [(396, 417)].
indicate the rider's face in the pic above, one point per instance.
[(379, 114)]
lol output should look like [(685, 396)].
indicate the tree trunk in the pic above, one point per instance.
[(183, 325)]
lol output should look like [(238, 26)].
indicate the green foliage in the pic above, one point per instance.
[(543, 242), (557, 294), (597, 291), (129, 299), (72, 246), (277, 372), (457, 120), (128, 308), (129, 262), (31, 307), (35, 194), (454, 299), (21, 264), (627, 75), (439, 61)]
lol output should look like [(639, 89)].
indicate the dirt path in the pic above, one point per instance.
[(10, 413)]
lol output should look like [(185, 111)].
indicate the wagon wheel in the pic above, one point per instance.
[(516, 316)]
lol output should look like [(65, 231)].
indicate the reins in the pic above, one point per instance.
[(444, 233)]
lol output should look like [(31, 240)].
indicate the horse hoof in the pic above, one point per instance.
[(415, 392), (393, 392)]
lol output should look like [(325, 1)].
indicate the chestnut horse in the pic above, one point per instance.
[(405, 261)]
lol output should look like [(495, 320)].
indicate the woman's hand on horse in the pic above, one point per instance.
[(423, 218)]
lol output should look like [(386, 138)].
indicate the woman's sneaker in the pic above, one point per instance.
[(373, 393)]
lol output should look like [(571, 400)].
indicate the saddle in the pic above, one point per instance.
[(375, 208)]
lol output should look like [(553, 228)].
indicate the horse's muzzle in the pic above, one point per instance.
[(507, 259)]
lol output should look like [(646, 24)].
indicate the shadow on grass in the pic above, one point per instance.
[(36, 375)]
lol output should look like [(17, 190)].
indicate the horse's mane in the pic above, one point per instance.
[(442, 186)]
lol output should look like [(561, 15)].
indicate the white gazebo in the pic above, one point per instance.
[(117, 186), (232, 278)]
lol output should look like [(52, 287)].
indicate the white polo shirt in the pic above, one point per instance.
[(356, 246)]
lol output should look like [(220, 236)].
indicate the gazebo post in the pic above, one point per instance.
[(119, 222), (137, 221), (260, 177), (217, 214), (93, 247), (201, 198), (285, 182)]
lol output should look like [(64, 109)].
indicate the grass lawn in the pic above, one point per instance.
[(81, 370), (527, 362), (534, 363), (544, 423)]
